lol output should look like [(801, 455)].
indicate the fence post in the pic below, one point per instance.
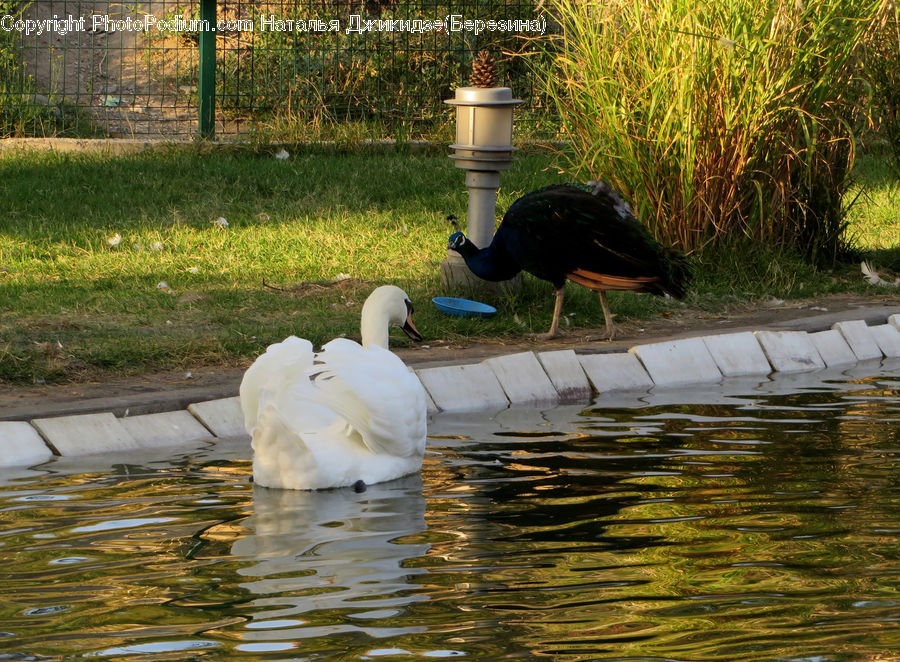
[(206, 89)]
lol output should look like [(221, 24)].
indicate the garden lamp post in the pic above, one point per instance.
[(483, 148)]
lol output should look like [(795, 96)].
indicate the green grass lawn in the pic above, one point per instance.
[(87, 242), (874, 216)]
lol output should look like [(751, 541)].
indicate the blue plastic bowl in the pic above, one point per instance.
[(463, 307)]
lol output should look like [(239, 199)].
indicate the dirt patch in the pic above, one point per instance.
[(174, 390), (132, 82), (128, 82)]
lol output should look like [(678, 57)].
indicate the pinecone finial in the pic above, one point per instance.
[(484, 71)]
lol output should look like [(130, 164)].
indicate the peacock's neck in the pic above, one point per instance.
[(491, 264)]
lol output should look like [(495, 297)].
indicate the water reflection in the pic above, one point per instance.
[(730, 528), (335, 552), (759, 523)]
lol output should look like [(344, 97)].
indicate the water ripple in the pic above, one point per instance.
[(760, 527)]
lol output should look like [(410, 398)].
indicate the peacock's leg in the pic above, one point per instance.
[(610, 329), (557, 309)]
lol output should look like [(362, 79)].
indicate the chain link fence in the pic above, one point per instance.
[(289, 69)]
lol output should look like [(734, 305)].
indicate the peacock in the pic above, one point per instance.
[(585, 233)]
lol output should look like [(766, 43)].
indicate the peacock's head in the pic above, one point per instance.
[(457, 242)]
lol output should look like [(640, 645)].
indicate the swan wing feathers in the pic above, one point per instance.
[(281, 457), (374, 391), (281, 364)]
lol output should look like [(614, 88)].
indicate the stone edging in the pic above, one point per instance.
[(530, 379)]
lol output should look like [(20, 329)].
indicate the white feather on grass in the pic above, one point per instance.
[(874, 278)]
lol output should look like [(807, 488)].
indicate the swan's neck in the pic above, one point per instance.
[(375, 327)]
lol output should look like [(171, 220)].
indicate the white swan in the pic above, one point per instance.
[(346, 414)]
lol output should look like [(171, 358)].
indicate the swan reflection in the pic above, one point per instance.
[(333, 550)]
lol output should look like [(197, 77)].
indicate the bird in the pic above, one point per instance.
[(349, 415), (585, 233)]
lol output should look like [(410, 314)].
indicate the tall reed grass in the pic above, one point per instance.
[(720, 119)]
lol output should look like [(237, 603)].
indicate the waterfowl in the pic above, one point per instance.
[(584, 233), (350, 414)]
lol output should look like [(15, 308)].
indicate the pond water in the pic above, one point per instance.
[(751, 522)]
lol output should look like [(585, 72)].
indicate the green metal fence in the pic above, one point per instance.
[(284, 67)]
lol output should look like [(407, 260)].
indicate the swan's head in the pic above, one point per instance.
[(387, 306)]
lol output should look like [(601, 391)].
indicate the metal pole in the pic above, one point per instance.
[(482, 187), (207, 84)]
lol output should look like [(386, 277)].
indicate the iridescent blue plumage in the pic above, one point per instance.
[(584, 233)]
